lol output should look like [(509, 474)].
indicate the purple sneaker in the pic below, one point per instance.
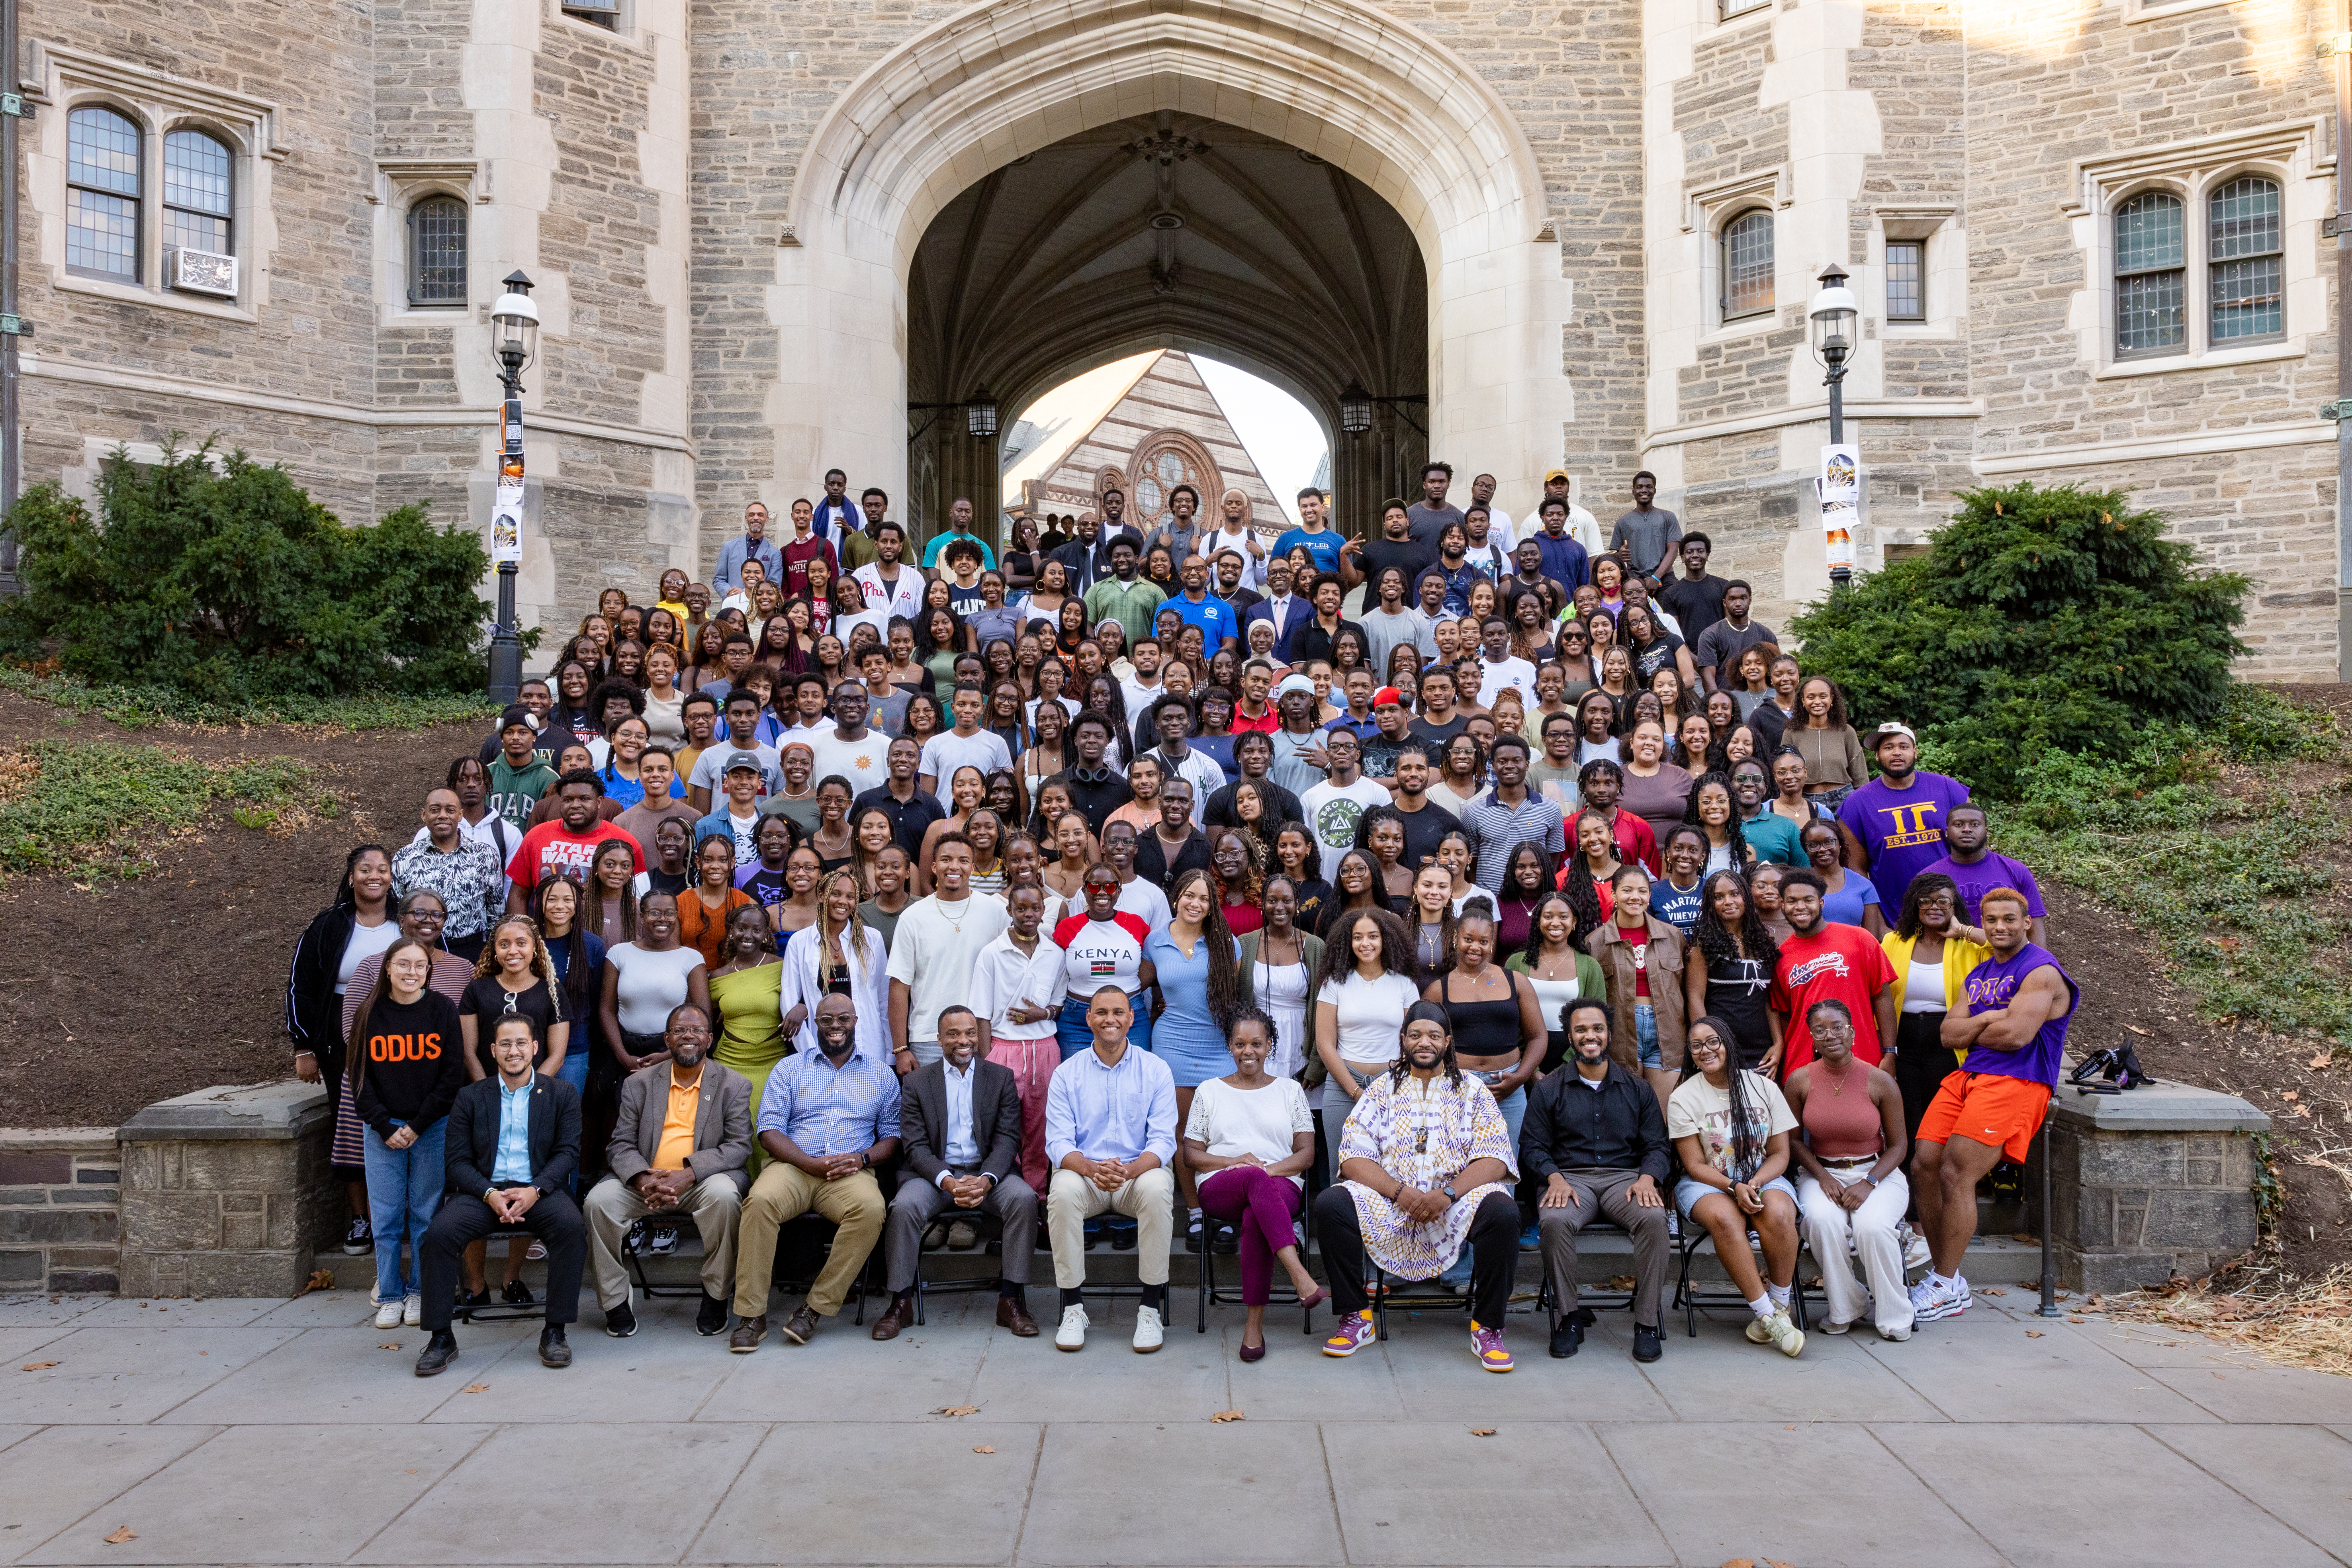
[(1353, 1333), (1488, 1343)]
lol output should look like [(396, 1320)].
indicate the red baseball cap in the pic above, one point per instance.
[(1388, 694)]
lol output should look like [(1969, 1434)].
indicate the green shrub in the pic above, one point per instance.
[(2038, 620), (222, 579), (101, 807)]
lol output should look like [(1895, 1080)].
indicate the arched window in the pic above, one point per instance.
[(1748, 265), (2151, 270), (103, 179), (437, 251), (197, 171), (2245, 260)]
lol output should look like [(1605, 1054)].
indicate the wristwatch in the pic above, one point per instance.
[(1451, 1196)]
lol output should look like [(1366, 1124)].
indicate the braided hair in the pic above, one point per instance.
[(1747, 1145)]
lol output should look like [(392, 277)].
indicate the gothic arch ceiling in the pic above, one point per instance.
[(1174, 231)]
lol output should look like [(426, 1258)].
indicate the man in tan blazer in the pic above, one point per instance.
[(682, 1144)]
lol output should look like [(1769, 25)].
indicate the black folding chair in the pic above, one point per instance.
[(1695, 1236), (636, 1243), (496, 1311), (1587, 1298), (803, 1244), (1283, 1295), (991, 1228)]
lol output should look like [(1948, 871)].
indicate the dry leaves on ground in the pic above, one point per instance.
[(983, 1448), (1482, 1431), (38, 1366), (2307, 1325), (389, 1345), (2033, 1333), (957, 1410), (477, 1388), (1992, 1290), (1228, 1415), (121, 1535), (321, 1279)]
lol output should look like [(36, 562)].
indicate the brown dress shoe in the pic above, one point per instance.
[(748, 1335), (801, 1327), (1012, 1313), (900, 1313)]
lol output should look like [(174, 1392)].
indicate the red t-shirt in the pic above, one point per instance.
[(1638, 939), (1837, 963), (1636, 845), (551, 849)]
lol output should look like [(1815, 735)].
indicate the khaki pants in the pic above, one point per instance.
[(785, 1193), (1150, 1200), (715, 1204)]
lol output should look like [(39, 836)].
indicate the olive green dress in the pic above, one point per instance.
[(751, 1032)]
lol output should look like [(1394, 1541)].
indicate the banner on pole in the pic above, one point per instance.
[(1839, 489), (505, 512)]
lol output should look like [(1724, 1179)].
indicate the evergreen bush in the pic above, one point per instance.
[(222, 578), (2038, 620)]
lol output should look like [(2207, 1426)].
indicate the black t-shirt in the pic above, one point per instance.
[(1659, 655), (1695, 605), (1422, 829), (1219, 810), (1408, 556), (1437, 735), (489, 1001), (909, 819)]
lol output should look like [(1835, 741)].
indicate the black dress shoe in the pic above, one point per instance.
[(620, 1321), (1645, 1344), (712, 1318), (1566, 1338), (517, 1294), (552, 1351), (469, 1298), (439, 1352), (1123, 1237)]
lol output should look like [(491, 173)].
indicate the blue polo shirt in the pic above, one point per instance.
[(1323, 548), (1214, 616)]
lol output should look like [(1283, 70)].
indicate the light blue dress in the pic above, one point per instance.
[(1185, 1037)]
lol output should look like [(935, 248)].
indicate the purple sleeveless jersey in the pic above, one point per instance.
[(1993, 983)]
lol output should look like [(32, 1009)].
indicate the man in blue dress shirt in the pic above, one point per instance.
[(1110, 1138)]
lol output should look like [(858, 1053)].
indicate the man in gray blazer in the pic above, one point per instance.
[(959, 1133), (658, 1165)]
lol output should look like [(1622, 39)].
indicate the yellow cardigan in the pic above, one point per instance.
[(1959, 957)]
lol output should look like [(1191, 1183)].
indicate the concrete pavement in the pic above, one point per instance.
[(271, 1432)]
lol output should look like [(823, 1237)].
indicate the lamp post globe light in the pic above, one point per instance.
[(1355, 409), (1833, 314), (514, 343)]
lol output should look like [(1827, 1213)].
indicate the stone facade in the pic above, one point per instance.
[(227, 1192), (721, 202), (2148, 1184), (60, 1191)]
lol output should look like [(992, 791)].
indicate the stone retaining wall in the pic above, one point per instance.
[(60, 1191), (227, 1192)]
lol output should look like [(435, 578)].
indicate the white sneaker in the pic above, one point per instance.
[(1931, 1303), (1072, 1334), (1759, 1329), (1836, 1327), (1898, 1335), (1787, 1338), (387, 1315), (412, 1311), (1149, 1331)]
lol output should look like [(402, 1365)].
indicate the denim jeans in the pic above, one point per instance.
[(1645, 1036), (403, 1187)]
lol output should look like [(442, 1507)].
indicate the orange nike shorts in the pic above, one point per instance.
[(1987, 1108)]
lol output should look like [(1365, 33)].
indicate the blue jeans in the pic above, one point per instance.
[(1071, 1032), (1645, 1036), (403, 1188), (574, 1070)]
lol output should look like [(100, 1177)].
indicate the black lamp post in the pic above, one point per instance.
[(514, 343), (1833, 315)]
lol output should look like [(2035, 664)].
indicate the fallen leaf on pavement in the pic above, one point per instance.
[(2094, 1303), (1993, 1290), (1621, 1282), (957, 1410), (983, 1448), (121, 1535), (476, 1387), (1228, 1415), (38, 1366), (2033, 1333), (389, 1345), (2078, 1319), (1482, 1431), (321, 1279)]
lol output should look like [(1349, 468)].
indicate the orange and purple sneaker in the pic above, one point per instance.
[(1488, 1343), (1353, 1333)]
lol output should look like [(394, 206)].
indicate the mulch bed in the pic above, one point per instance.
[(118, 994)]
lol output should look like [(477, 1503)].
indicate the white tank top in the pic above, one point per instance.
[(1923, 988)]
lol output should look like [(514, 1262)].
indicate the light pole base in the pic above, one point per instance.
[(506, 649)]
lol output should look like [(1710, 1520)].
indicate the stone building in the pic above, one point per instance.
[(2085, 235), (1145, 424)]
